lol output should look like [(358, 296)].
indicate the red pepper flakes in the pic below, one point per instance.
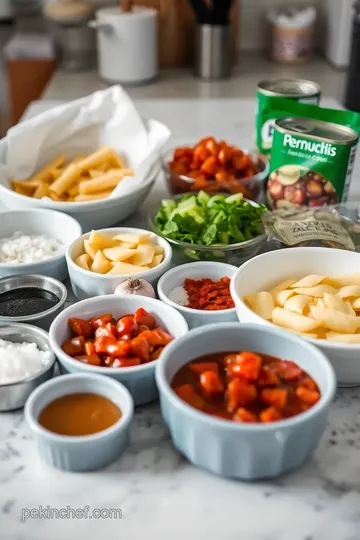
[(206, 294)]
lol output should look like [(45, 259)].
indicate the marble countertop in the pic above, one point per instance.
[(160, 494)]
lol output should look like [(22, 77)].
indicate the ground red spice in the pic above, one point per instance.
[(208, 295)]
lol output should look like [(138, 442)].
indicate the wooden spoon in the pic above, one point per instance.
[(126, 5)]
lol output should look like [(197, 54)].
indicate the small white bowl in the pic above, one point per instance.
[(197, 270), (82, 453), (35, 222), (140, 380), (86, 284), (265, 271)]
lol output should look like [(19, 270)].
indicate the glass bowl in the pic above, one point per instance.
[(252, 187), (234, 254)]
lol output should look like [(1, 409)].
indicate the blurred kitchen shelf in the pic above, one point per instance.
[(180, 83)]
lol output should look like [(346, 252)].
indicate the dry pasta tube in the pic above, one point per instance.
[(101, 183), (66, 180), (44, 175)]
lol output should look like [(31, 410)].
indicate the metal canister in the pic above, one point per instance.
[(311, 163), (300, 90)]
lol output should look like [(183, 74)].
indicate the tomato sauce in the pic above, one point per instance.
[(246, 387)]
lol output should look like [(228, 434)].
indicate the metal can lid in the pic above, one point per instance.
[(291, 88), (318, 129)]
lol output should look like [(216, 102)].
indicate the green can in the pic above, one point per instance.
[(298, 90), (311, 163)]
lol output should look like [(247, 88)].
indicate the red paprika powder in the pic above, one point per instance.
[(208, 295)]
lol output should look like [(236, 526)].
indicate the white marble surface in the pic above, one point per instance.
[(163, 497)]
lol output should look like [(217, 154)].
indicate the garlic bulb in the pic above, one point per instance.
[(135, 286)]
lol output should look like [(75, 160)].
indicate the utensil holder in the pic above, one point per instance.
[(213, 54)]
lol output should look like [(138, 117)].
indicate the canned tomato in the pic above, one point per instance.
[(268, 93), (311, 163)]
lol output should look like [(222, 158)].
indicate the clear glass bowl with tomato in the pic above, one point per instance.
[(215, 166)]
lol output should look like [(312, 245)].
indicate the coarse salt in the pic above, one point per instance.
[(18, 361), (21, 248), (179, 296)]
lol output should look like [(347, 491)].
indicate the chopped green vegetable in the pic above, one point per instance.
[(202, 219)]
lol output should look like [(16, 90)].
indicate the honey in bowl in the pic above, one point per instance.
[(79, 414)]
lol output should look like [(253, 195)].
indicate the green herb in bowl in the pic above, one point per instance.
[(230, 224)]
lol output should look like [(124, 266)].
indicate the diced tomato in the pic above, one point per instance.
[(101, 320), (270, 415), (143, 328), (243, 415), (144, 317), (287, 370), (183, 152), (125, 362), (190, 396), (80, 327), (91, 359), (108, 330), (240, 162), (200, 367), (212, 146), (230, 358), (126, 326), (274, 396), (109, 345), (140, 347), (224, 154), (308, 396), (209, 166), (267, 377), (239, 394), (210, 383), (155, 355), (309, 384), (89, 348), (248, 365), (74, 346), (157, 337), (200, 154)]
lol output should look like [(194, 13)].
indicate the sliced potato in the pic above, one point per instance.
[(317, 292), (282, 286), (144, 255), (344, 280), (156, 261), (91, 249), (263, 304), (335, 320), (118, 253), (126, 268), (83, 261), (281, 297), (350, 291), (100, 264), (343, 338), (308, 281), (297, 303), (132, 238), (294, 321), (355, 304), (158, 250), (102, 240)]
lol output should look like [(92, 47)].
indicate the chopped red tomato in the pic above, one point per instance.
[(107, 330), (126, 326), (274, 396), (288, 371), (190, 396), (156, 353), (270, 415), (210, 383), (239, 394), (267, 377), (80, 327), (243, 415), (101, 320), (91, 359), (307, 396), (157, 337), (248, 365), (144, 317), (89, 348), (74, 346), (140, 347), (125, 362), (109, 345), (200, 367), (308, 383)]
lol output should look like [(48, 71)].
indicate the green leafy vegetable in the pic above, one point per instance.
[(202, 219)]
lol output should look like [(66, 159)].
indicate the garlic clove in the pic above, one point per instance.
[(136, 287)]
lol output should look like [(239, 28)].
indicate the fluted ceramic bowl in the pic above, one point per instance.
[(238, 450)]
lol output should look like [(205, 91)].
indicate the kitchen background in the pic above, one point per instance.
[(28, 67)]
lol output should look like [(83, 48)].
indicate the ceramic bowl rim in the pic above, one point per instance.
[(45, 336), (173, 271), (108, 277), (219, 423), (106, 371), (36, 264), (56, 438), (239, 303)]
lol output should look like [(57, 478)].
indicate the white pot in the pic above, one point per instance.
[(127, 44)]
